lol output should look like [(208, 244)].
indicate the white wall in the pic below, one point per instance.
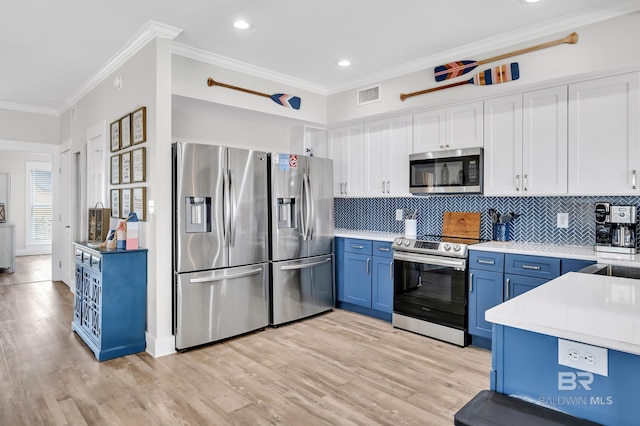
[(229, 131), (603, 47), (29, 127), (14, 162)]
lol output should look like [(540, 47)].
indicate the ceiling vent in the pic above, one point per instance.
[(368, 95)]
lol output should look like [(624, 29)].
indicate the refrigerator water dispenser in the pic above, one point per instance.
[(286, 215), (197, 214)]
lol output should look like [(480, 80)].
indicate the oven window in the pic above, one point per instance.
[(431, 293)]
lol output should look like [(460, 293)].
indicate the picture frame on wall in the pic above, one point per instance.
[(125, 167), (125, 131), (139, 202), (3, 213), (115, 203), (138, 165), (115, 169), (125, 200), (115, 136), (139, 118)]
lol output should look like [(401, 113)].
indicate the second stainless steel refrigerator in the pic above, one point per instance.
[(220, 244), (301, 234)]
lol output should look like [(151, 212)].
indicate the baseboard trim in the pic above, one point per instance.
[(159, 347)]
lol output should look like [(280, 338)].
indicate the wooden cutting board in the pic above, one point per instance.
[(461, 225)]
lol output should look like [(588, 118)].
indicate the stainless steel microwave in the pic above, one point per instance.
[(457, 171)]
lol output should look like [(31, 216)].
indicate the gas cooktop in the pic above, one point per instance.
[(438, 245)]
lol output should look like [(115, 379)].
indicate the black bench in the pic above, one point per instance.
[(490, 408)]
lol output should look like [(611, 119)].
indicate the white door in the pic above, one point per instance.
[(464, 126), (604, 136), (503, 146), (337, 152), (375, 158), (399, 145), (353, 163), (96, 166), (544, 144), (428, 131), (67, 255)]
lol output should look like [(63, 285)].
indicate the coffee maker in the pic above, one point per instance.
[(616, 228)]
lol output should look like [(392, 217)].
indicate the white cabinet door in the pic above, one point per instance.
[(456, 127), (428, 131), (399, 143), (604, 136), (544, 143), (346, 146), (387, 146), (464, 126), (503, 145)]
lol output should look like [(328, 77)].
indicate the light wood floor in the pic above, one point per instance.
[(339, 368), (29, 269)]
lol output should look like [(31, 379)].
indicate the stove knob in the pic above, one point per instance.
[(406, 243), (446, 246), (456, 247), (399, 242)]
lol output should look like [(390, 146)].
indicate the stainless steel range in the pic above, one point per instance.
[(430, 291)]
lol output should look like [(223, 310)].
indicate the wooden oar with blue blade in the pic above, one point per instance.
[(458, 68), (285, 100), (500, 74)]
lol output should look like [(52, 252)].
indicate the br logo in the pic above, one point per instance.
[(568, 381)]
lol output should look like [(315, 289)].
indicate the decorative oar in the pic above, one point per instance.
[(279, 98), (500, 74), (457, 68)]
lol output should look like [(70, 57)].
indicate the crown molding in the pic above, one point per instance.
[(494, 43), (148, 32), (235, 65), (29, 108)]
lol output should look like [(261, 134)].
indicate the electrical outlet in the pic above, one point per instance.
[(399, 213), (563, 220), (583, 357)]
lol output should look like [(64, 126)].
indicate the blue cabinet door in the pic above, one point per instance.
[(357, 285), (518, 284), (485, 292), (382, 284), (339, 259)]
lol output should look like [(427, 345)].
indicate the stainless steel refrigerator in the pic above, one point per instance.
[(220, 242), (301, 234)]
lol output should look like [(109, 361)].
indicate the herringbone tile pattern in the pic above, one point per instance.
[(537, 224)]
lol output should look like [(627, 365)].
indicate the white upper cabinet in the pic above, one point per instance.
[(387, 146), (456, 127), (604, 136), (346, 149), (525, 143)]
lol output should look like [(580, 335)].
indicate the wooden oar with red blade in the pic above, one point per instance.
[(458, 68), (279, 98), (500, 74)]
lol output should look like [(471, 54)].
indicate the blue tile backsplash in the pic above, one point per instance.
[(537, 223)]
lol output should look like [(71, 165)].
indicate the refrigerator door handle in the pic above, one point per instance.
[(312, 210), (304, 209), (304, 266), (225, 277), (233, 212), (225, 209)]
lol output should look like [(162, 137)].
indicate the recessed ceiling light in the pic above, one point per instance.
[(529, 1), (241, 25), (344, 63)]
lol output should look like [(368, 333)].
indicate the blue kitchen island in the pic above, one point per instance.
[(572, 345)]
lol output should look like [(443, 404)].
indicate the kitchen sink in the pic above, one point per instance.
[(612, 271)]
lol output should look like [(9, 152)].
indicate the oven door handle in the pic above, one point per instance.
[(431, 260)]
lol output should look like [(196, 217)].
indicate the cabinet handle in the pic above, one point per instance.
[(525, 182), (383, 187), (345, 188), (447, 145), (388, 186), (471, 282), (391, 269), (633, 179), (534, 268), (517, 182), (506, 289), (383, 249), (441, 146), (356, 247), (487, 262), (368, 262)]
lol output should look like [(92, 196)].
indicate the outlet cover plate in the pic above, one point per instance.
[(563, 220), (399, 213), (583, 357)]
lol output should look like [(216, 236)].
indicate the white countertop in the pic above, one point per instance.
[(594, 309), (561, 251), (367, 235)]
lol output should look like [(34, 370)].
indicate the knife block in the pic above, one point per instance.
[(502, 231)]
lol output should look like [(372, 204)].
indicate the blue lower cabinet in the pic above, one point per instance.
[(518, 284), (110, 302), (485, 292), (357, 284), (364, 277)]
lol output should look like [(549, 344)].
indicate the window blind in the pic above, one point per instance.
[(40, 203)]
